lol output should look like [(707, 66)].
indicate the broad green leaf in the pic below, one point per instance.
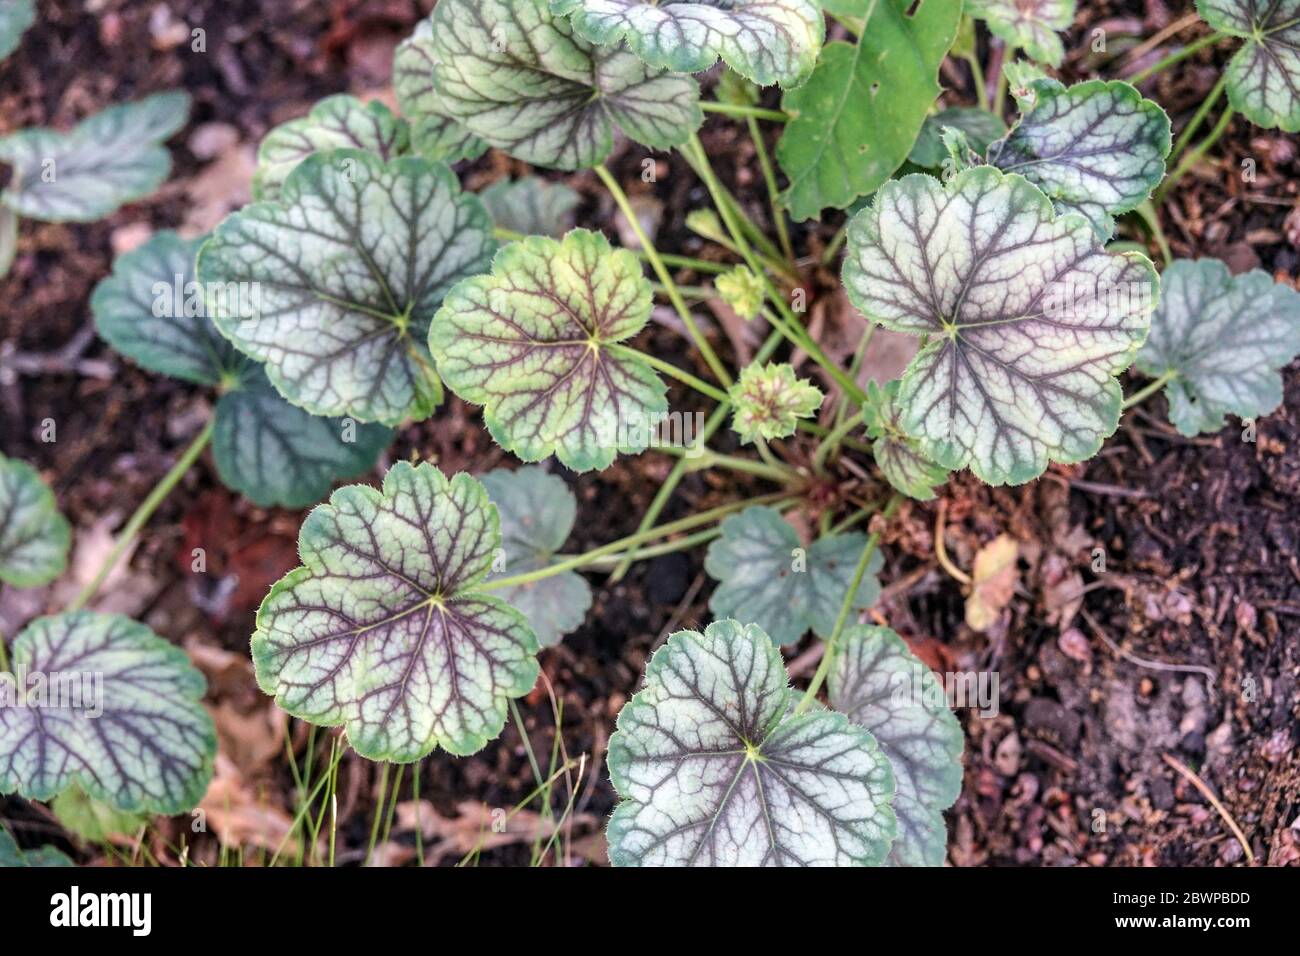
[(15, 17), (881, 686), (1264, 75), (766, 576), (386, 630), (106, 161), (980, 126), (1097, 148), (768, 41), (34, 536), (274, 453), (101, 702), (714, 768), (435, 134), (531, 206), (536, 343), (897, 453), (1031, 25), (769, 400), (516, 76), (1225, 338), (152, 310), (336, 122), (11, 855), (350, 264), (537, 513), (93, 820), (855, 120), (1027, 319)]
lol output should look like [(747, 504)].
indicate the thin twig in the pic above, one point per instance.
[(1206, 792)]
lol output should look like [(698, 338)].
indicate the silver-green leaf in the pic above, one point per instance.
[(1026, 319), (1031, 25), (15, 17), (537, 513), (877, 681), (1224, 339), (714, 768), (435, 134), (101, 702), (1264, 75), (897, 453), (34, 536), (531, 206), (107, 160), (386, 628), (765, 575)]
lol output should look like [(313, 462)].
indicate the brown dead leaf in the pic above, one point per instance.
[(241, 818), (993, 581), (480, 827)]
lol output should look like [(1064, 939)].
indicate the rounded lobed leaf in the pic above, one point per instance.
[(768, 41), (766, 576), (536, 343), (531, 206), (537, 512), (897, 454), (1031, 25), (385, 629), (877, 681), (153, 312), (336, 122), (435, 134), (14, 857), (856, 119), (34, 536), (1097, 148), (515, 75), (1264, 75), (715, 769), (101, 702), (769, 400), (15, 18), (1028, 319), (1225, 338), (107, 160), (344, 273)]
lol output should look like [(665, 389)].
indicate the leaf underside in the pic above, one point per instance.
[(516, 76), (1031, 25), (350, 265), (34, 536), (767, 41), (1226, 337), (107, 160), (1028, 319), (714, 769), (766, 577), (384, 629), (536, 343), (149, 750), (1264, 75), (537, 512), (884, 688)]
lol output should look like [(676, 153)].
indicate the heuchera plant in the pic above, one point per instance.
[(365, 281)]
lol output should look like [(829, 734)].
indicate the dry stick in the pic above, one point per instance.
[(941, 551), (1206, 792)]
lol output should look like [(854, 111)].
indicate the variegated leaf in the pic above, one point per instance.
[(34, 536), (897, 454), (1264, 75), (435, 134), (1031, 25)]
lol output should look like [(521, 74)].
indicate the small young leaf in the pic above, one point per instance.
[(1028, 319), (107, 160), (274, 453), (11, 855), (350, 264), (384, 629), (1031, 25), (1264, 75), (516, 76), (768, 41), (436, 135), (742, 290), (765, 575), (537, 513), (881, 686), (897, 454), (1097, 148), (531, 206), (151, 310), (715, 769), (980, 126), (336, 122), (537, 344), (101, 702), (15, 17), (93, 820), (1022, 78), (855, 120), (769, 401), (1225, 338), (34, 536)]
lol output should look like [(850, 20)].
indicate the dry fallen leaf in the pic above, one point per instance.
[(993, 581)]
